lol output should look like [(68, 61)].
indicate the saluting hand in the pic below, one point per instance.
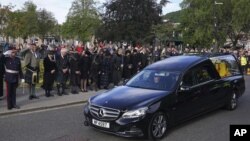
[(52, 71)]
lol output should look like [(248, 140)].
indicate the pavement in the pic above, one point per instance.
[(44, 102)]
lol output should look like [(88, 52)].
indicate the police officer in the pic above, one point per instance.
[(12, 73)]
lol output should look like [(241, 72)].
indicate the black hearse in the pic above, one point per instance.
[(166, 93)]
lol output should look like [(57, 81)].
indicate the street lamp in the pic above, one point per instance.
[(215, 25)]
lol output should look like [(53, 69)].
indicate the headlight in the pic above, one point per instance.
[(135, 113)]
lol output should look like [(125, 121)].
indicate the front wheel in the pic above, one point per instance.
[(158, 126), (232, 102)]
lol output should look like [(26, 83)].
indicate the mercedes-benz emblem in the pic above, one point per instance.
[(101, 113)]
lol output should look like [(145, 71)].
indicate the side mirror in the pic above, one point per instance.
[(185, 88), (125, 81)]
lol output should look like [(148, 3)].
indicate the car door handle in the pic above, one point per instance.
[(197, 92)]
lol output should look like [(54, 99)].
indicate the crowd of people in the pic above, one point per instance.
[(85, 67)]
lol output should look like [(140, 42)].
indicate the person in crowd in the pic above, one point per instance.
[(144, 58), (243, 62), (106, 70), (128, 66), (74, 59), (1, 74), (101, 59), (136, 61), (31, 63), (117, 67), (95, 71), (13, 72), (62, 65), (49, 64), (84, 66)]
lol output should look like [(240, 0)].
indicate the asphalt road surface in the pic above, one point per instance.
[(66, 124)]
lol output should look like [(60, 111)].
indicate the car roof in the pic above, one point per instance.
[(177, 63)]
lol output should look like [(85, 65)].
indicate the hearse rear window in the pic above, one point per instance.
[(226, 65)]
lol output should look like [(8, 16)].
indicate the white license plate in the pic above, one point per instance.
[(101, 123)]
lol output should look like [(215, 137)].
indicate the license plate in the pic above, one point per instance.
[(101, 123)]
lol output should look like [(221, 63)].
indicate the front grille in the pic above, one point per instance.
[(104, 113)]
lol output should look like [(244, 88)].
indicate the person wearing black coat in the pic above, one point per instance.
[(84, 67), (74, 59), (95, 71), (62, 65), (117, 68), (128, 66), (1, 73), (106, 70), (13, 72), (136, 61), (49, 64)]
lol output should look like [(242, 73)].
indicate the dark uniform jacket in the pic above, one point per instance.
[(48, 78), (2, 70), (62, 63), (13, 64)]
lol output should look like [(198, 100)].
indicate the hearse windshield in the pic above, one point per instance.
[(154, 79)]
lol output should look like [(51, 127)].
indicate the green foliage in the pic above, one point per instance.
[(82, 20), (203, 21), (5, 11), (46, 22), (27, 22), (174, 16), (15, 24), (130, 20)]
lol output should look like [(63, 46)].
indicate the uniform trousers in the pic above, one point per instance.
[(11, 94)]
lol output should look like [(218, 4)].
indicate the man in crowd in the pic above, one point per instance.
[(13, 72), (62, 65), (31, 62), (1, 74)]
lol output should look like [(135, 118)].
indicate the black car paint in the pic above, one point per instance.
[(178, 105)]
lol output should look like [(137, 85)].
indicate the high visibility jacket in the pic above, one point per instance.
[(243, 60)]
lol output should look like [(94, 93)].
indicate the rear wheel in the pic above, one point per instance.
[(158, 126), (232, 102)]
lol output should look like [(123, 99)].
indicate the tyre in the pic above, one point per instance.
[(157, 126), (232, 102)]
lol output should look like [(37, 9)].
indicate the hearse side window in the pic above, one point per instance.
[(202, 74), (188, 79), (226, 65), (196, 76)]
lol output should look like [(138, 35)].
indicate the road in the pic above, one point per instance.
[(67, 125)]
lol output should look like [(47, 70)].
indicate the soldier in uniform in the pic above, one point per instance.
[(49, 63), (1, 73), (13, 72), (62, 64), (31, 62)]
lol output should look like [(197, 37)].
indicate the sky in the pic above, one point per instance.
[(60, 8)]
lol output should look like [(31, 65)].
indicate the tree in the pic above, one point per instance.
[(240, 19), (16, 24), (46, 23), (203, 21), (82, 20), (30, 20), (5, 11), (131, 20)]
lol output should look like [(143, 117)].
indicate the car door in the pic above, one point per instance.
[(213, 88), (188, 96)]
